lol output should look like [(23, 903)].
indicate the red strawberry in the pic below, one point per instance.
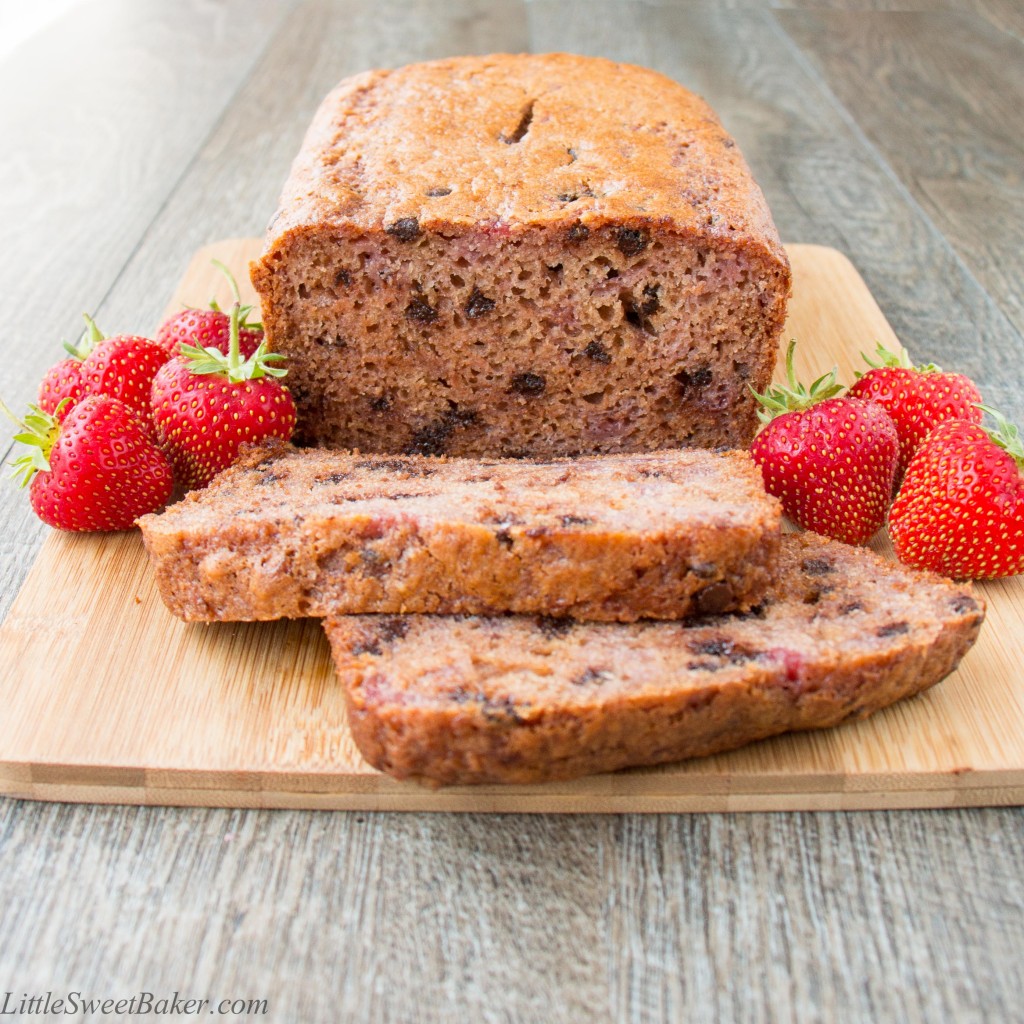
[(210, 328), (62, 380), (960, 511), (123, 367), (831, 461), (95, 470), (918, 398), (206, 405)]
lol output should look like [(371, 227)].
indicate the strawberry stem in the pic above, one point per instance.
[(233, 351), (243, 319), (794, 396), (231, 281), (90, 338)]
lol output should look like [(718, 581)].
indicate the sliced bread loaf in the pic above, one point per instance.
[(538, 254), (840, 634), (288, 533)]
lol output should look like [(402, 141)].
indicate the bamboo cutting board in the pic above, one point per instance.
[(107, 698)]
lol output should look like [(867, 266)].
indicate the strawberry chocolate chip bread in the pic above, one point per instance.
[(522, 255), (289, 532), (840, 634)]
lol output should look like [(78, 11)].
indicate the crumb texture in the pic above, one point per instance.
[(522, 255), (840, 634), (300, 532)]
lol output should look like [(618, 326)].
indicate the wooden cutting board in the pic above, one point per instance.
[(107, 698)]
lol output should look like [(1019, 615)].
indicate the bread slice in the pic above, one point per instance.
[(841, 634), (288, 533), (522, 255)]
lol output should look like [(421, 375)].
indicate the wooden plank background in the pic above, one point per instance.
[(135, 131)]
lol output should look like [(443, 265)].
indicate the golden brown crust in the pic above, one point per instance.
[(634, 146), (840, 634), (288, 533), (509, 255)]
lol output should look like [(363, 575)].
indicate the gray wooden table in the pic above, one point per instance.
[(134, 131)]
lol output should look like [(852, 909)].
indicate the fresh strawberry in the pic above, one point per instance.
[(831, 461), (123, 367), (211, 328), (918, 398), (94, 470), (960, 511), (64, 379), (61, 381), (206, 405)]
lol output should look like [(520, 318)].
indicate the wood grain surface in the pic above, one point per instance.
[(110, 698), (137, 130)]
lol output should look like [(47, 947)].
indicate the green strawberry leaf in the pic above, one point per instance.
[(1005, 435), (211, 361), (38, 431), (794, 396)]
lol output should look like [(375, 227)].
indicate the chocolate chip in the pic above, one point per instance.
[(331, 478), (342, 278), (551, 626), (405, 229), (420, 310), (699, 378), (432, 439), (478, 304), (504, 538), (715, 599), (385, 465), (817, 566), (850, 607), (576, 521), (638, 313), (597, 352), (528, 383), (722, 647), (367, 643), (577, 233), (393, 627), (436, 193), (892, 629), (963, 603), (374, 564), (631, 241), (502, 710), (702, 570), (592, 676)]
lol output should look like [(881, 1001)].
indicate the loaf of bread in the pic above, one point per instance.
[(840, 634), (522, 255), (293, 532)]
